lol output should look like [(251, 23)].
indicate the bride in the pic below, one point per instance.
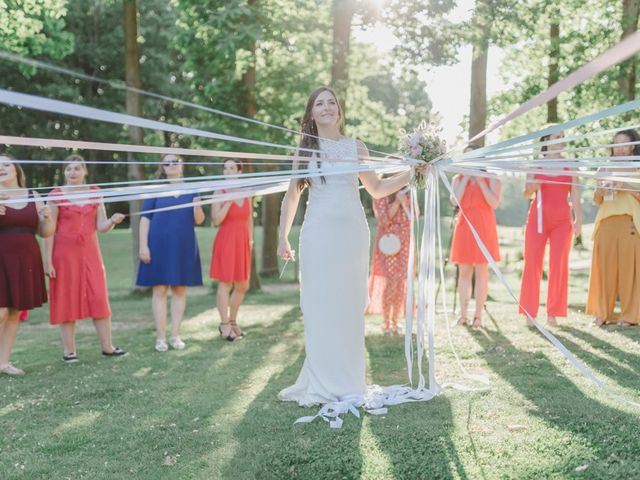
[(334, 255)]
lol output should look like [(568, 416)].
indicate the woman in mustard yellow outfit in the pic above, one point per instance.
[(615, 265)]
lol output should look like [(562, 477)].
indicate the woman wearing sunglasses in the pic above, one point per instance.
[(169, 255)]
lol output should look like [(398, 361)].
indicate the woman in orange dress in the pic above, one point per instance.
[(231, 258), (388, 278), (73, 262), (478, 198), (550, 196)]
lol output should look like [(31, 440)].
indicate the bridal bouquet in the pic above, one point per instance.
[(422, 144)]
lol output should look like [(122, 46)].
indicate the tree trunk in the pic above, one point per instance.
[(343, 11), (627, 80), (250, 110), (134, 107), (478, 102), (554, 65), (270, 220)]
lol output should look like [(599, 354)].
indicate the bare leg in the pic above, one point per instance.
[(222, 301), (159, 306), (103, 329), (239, 291), (465, 274), (68, 332), (482, 290), (8, 331), (178, 304)]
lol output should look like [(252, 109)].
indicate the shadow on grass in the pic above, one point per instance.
[(270, 446), (415, 438), (556, 400), (615, 371), (629, 360), (630, 332), (123, 418)]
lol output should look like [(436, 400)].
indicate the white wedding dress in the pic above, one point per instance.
[(334, 262)]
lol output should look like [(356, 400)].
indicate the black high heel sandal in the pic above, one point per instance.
[(227, 337), (233, 324)]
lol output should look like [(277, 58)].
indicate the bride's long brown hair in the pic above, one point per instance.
[(309, 130)]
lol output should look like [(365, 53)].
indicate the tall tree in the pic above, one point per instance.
[(250, 111), (554, 67), (134, 107), (627, 80), (342, 14), (481, 26)]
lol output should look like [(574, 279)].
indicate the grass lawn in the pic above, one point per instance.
[(211, 412)]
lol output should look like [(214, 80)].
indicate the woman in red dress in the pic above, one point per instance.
[(22, 284), (73, 262), (388, 278), (231, 258), (550, 220), (478, 198)]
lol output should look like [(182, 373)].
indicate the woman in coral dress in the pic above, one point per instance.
[(554, 220), (73, 262), (22, 285), (231, 258), (478, 198), (388, 277)]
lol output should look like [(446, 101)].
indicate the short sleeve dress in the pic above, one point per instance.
[(175, 257)]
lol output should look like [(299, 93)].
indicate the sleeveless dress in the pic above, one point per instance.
[(464, 248), (388, 280), (231, 257), (22, 283), (334, 256), (79, 289), (175, 258)]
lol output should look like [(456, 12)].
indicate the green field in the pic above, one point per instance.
[(211, 412)]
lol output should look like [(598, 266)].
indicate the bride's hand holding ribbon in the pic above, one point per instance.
[(284, 250)]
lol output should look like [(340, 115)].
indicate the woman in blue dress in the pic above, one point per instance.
[(169, 253)]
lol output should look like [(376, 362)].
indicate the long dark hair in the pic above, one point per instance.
[(544, 138), (309, 130), (21, 178), (633, 136)]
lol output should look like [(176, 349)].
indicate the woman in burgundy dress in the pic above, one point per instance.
[(22, 284)]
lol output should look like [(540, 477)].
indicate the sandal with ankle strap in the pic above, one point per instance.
[(228, 336), (234, 325)]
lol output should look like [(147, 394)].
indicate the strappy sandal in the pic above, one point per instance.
[(228, 336), (462, 321), (12, 371), (477, 322), (239, 334)]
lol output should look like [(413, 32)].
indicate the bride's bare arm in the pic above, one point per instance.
[(287, 214), (381, 187)]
